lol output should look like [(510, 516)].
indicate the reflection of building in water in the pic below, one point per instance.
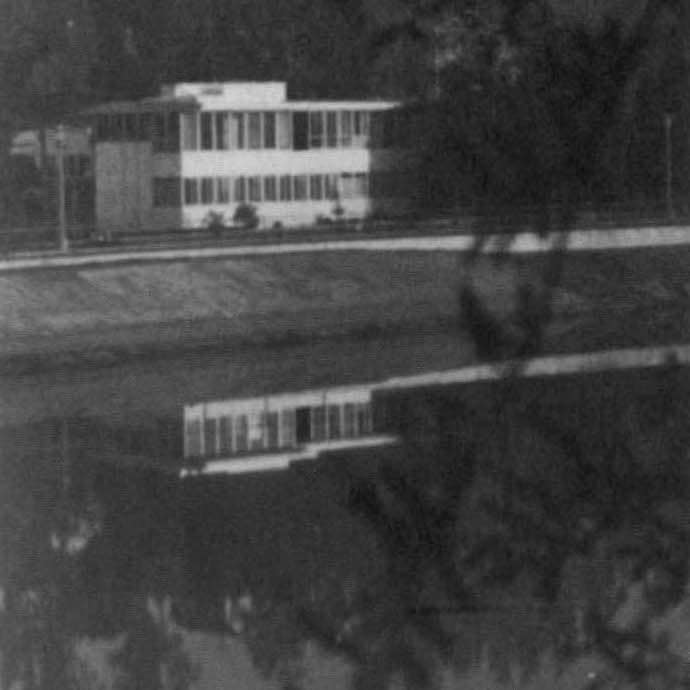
[(269, 432)]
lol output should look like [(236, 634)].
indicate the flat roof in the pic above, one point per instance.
[(191, 104)]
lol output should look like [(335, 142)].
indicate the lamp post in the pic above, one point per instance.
[(668, 123), (62, 211)]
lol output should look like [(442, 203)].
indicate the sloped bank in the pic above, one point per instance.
[(98, 315)]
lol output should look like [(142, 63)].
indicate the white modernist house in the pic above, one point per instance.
[(200, 150), (271, 432)]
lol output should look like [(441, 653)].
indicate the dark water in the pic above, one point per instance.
[(509, 529)]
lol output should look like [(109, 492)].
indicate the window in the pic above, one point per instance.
[(346, 128), (206, 190), (315, 130), (270, 188), (287, 428), (330, 183), (225, 440), (222, 122), (237, 131), (300, 187), (316, 187), (210, 433), (193, 438), (144, 129), (130, 127), (350, 421), (240, 189), (191, 190), (272, 430), (361, 122), (166, 192), (166, 132), (285, 188), (257, 426), (334, 421), (117, 127), (157, 131), (269, 130), (255, 188), (300, 131), (241, 434), (206, 131), (190, 139), (283, 130), (332, 129), (347, 185), (318, 423), (364, 418), (361, 185), (223, 190), (254, 130)]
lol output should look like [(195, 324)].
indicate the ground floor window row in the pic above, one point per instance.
[(190, 191), (275, 430)]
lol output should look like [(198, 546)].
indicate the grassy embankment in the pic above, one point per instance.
[(98, 315)]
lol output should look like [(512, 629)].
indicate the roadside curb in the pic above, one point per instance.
[(521, 243)]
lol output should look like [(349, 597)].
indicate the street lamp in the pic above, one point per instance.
[(62, 211)]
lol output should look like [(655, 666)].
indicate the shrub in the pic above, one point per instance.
[(215, 222), (246, 216)]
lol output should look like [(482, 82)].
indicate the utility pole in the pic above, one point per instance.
[(668, 122), (62, 211)]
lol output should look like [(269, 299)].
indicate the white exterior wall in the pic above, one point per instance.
[(277, 162)]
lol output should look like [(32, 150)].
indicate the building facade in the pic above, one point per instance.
[(197, 152)]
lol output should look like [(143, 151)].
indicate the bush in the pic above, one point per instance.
[(246, 216), (215, 222)]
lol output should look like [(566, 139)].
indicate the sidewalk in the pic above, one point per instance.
[(522, 243)]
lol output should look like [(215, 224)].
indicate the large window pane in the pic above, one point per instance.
[(283, 130), (172, 132), (272, 430), (255, 188), (190, 140), (318, 423), (269, 130), (254, 130), (331, 129), (193, 438), (364, 418), (240, 189), (300, 187), (287, 428), (241, 434), (316, 187), (225, 435), (285, 188), (206, 190), (191, 191), (349, 420), (331, 187), (223, 190), (270, 190), (237, 131), (334, 428), (206, 131), (222, 130), (315, 130), (210, 434), (300, 131), (361, 185)]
